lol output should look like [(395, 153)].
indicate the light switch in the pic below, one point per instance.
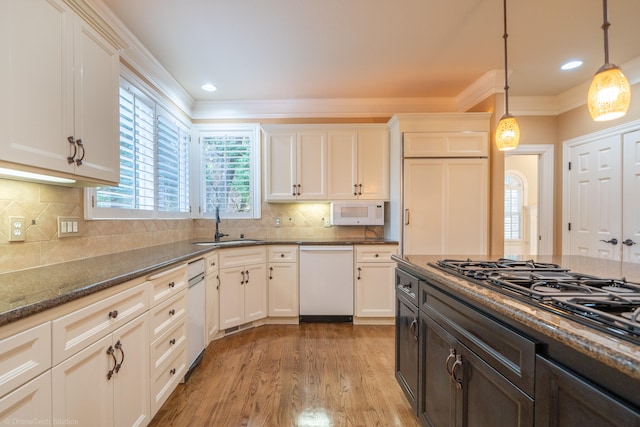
[(68, 226)]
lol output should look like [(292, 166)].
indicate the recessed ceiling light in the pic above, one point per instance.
[(571, 65), (209, 87)]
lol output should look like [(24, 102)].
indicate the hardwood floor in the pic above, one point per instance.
[(312, 374)]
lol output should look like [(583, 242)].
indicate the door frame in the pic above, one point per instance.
[(545, 186), (566, 147)]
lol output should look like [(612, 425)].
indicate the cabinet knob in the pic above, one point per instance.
[(172, 312), (376, 255), (281, 255), (172, 371), (172, 341), (172, 284), (113, 314)]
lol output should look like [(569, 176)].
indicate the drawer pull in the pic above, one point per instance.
[(172, 371), (376, 255), (270, 273), (413, 327), (119, 347), (450, 357), (247, 281), (172, 284), (281, 255), (359, 270), (172, 312), (113, 314), (172, 341), (456, 364)]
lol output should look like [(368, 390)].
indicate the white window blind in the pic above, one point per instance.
[(513, 207), (173, 165), (228, 173)]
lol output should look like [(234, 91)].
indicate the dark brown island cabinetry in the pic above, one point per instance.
[(476, 368)]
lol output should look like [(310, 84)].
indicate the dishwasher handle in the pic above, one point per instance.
[(326, 248)]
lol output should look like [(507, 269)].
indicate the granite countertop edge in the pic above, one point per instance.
[(619, 354), (24, 293)]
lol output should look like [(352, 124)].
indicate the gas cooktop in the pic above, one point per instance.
[(611, 305)]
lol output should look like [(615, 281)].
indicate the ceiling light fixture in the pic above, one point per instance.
[(570, 65), (508, 130), (609, 94), (209, 87)]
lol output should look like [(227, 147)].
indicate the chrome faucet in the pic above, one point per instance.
[(218, 234)]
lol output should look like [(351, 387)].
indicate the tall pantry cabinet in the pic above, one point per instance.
[(445, 182)]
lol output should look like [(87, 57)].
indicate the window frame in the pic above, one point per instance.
[(150, 97), (523, 197), (253, 129)]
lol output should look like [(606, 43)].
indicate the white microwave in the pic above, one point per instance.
[(357, 213)]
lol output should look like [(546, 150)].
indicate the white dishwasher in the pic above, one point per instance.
[(326, 283)]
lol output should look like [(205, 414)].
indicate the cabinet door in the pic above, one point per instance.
[(438, 400), (445, 202), (281, 166), (31, 402), (83, 393), (212, 305), (312, 169), (36, 82), (406, 365), (96, 109), (375, 290), (131, 387), (563, 399), (255, 292), (373, 164), (489, 399), (231, 297), (283, 289), (342, 165)]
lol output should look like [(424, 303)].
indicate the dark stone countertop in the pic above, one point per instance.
[(27, 292), (617, 353)]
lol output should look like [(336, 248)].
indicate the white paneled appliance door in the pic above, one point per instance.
[(196, 314), (326, 283)]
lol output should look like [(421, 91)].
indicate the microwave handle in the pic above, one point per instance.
[(406, 216)]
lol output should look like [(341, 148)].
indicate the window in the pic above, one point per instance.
[(229, 172), (154, 163), (513, 206)]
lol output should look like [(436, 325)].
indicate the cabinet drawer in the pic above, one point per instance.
[(374, 253), (211, 263), (167, 283), (77, 330), (505, 350), (171, 342), (407, 285), (29, 404), (166, 380), (282, 253), (167, 314), (238, 257), (24, 356)]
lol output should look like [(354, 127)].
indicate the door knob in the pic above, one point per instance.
[(613, 241), (629, 242)]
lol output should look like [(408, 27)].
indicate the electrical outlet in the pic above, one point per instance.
[(327, 222), (68, 226), (18, 228), (276, 222)]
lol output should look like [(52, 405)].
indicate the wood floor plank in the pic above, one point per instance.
[(307, 375)]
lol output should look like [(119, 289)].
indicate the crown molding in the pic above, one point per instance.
[(487, 85)]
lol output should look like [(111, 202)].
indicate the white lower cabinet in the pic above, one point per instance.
[(283, 281), (28, 404), (243, 286), (374, 281), (212, 297), (106, 384)]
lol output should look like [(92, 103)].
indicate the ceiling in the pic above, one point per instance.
[(327, 49)]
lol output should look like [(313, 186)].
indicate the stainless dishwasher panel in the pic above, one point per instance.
[(326, 283)]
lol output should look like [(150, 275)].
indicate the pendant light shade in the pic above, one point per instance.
[(609, 94), (508, 130), (507, 133)]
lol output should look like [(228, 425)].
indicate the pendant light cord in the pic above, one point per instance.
[(506, 82), (605, 28)]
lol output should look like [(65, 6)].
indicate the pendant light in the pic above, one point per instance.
[(609, 93), (508, 130)]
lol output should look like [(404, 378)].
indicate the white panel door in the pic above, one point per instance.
[(342, 166), (281, 167), (595, 198), (631, 198), (312, 169), (445, 203)]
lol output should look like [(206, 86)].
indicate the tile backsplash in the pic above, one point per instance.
[(42, 204)]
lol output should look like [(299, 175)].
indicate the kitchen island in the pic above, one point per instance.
[(519, 345)]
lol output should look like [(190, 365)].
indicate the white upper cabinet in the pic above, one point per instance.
[(326, 163), (358, 164), (295, 165), (59, 80)]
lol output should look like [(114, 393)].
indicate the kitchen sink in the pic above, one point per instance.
[(228, 242)]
